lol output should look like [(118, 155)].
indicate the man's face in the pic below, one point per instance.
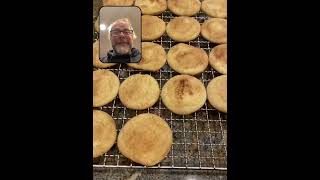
[(121, 38)]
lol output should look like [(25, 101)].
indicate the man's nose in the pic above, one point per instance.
[(121, 33)]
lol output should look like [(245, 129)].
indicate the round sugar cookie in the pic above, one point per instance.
[(187, 59), (151, 7), (215, 30), (104, 132), (215, 8), (117, 2), (152, 27), (183, 94), (139, 91), (183, 29), (105, 87), (145, 139), (184, 7), (218, 58), (153, 57), (217, 93)]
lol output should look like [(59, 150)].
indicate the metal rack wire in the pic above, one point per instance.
[(199, 139)]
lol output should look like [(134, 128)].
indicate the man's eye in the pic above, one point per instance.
[(117, 32), (127, 31)]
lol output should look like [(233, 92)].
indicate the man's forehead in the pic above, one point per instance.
[(121, 25)]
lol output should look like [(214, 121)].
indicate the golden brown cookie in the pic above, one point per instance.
[(184, 7), (152, 27), (183, 94), (187, 59), (145, 139), (104, 133), (215, 30), (96, 62), (105, 87), (117, 2), (151, 7), (153, 57), (218, 58), (139, 91), (215, 8), (217, 93), (183, 29)]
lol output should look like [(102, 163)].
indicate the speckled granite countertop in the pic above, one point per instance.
[(138, 174)]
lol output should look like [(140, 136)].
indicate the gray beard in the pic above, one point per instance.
[(122, 50)]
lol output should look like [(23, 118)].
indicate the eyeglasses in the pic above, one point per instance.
[(118, 32)]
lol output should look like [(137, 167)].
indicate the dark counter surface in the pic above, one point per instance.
[(139, 174)]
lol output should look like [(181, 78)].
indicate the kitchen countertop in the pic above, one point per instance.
[(138, 174)]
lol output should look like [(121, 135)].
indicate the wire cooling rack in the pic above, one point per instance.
[(199, 139)]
